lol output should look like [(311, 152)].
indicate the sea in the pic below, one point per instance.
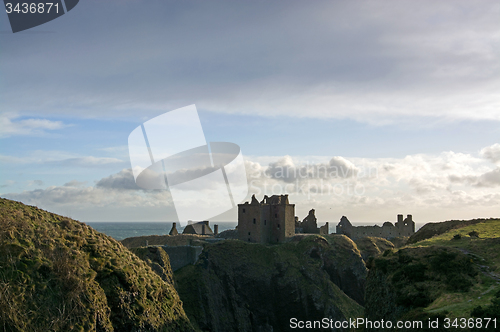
[(122, 230)]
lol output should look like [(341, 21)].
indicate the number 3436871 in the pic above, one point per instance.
[(32, 8)]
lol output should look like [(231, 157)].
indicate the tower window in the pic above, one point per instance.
[(278, 226), (243, 210), (265, 222), (276, 215), (254, 220), (248, 233)]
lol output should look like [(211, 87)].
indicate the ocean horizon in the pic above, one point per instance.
[(120, 230)]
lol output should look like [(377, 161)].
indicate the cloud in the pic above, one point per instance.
[(89, 161), (77, 196), (60, 158), (286, 170), (12, 127), (124, 180), (446, 185), (75, 183), (293, 58), (490, 179), (492, 152), (7, 183), (37, 183)]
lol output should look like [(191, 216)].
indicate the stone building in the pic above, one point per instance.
[(199, 228), (270, 221), (310, 225), (403, 227), (174, 231)]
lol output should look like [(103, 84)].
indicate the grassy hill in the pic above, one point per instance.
[(451, 272), (240, 286), (484, 251), (57, 274)]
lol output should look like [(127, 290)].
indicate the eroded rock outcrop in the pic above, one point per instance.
[(238, 286)]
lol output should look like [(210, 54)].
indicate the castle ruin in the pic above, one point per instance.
[(310, 225), (270, 221), (388, 230)]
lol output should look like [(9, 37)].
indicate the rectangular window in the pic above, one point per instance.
[(254, 220), (248, 233)]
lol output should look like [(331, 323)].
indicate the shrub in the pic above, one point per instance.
[(382, 264), (474, 234)]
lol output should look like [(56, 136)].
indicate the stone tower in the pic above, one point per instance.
[(405, 227), (270, 221)]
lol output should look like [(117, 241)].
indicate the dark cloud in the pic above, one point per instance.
[(285, 170), (491, 152), (362, 60), (488, 179), (124, 180)]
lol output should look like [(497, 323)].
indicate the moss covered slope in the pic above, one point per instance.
[(57, 274), (450, 274)]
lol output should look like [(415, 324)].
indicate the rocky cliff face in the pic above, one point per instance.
[(372, 246), (237, 286), (58, 274)]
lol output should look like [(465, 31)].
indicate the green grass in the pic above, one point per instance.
[(57, 274), (487, 230), (484, 252)]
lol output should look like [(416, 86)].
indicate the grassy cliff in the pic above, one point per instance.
[(453, 271), (239, 286), (57, 274), (161, 240)]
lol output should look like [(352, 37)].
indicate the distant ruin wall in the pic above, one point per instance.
[(377, 231), (181, 256), (403, 227), (323, 230)]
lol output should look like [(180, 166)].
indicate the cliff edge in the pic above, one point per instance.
[(58, 274)]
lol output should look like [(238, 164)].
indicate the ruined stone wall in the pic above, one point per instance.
[(289, 221), (386, 231), (181, 256), (323, 230), (249, 223), (266, 224)]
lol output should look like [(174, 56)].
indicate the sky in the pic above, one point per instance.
[(366, 109)]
